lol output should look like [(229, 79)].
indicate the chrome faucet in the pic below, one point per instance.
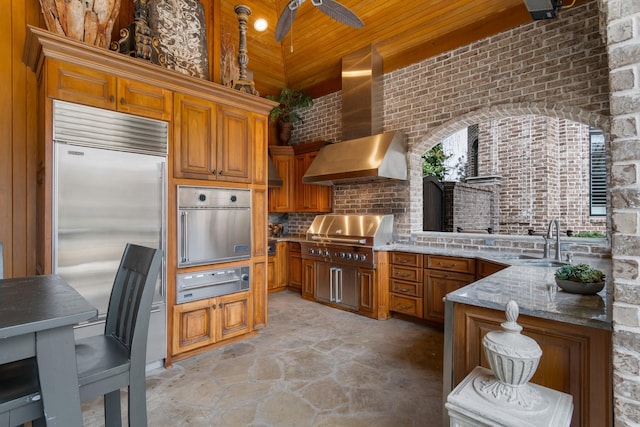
[(553, 224)]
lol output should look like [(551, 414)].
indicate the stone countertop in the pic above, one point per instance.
[(537, 295), (532, 287)]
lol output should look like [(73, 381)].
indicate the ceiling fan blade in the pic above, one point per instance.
[(339, 12), (286, 19)]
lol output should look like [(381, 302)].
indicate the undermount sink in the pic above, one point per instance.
[(542, 263), (515, 256)]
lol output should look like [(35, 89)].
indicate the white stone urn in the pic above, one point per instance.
[(89, 21), (513, 358)]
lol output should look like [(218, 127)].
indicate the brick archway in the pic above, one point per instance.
[(492, 112)]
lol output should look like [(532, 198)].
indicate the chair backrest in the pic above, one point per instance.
[(131, 298)]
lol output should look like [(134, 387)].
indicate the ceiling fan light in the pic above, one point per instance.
[(260, 24)]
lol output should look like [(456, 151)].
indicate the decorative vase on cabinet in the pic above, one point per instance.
[(80, 20)]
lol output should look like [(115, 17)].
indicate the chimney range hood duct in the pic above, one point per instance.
[(365, 154)]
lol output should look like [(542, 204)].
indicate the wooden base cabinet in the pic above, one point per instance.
[(277, 269), (575, 359), (200, 323), (418, 283), (308, 279), (438, 284), (294, 279), (405, 284)]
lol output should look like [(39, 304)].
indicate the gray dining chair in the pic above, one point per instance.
[(110, 362)]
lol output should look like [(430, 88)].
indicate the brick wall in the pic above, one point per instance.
[(467, 207), (544, 165), (553, 68), (622, 20)]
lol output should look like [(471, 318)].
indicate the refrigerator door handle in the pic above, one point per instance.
[(163, 239)]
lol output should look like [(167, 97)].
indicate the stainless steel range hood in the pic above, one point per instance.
[(381, 156), (365, 154)]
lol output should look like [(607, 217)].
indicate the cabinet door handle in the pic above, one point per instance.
[(220, 173), (112, 98), (213, 306), (213, 171), (122, 101), (220, 306)]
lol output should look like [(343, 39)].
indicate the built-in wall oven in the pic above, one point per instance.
[(214, 225)]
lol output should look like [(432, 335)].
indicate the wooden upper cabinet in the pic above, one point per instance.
[(234, 146), (194, 129), (142, 99), (82, 85), (211, 141), (294, 196), (281, 198), (309, 197)]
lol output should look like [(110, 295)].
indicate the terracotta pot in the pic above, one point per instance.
[(284, 132)]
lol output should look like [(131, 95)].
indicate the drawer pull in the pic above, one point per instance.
[(403, 307), (403, 275), (447, 265), (403, 289), (404, 261)]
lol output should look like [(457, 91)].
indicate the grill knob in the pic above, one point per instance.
[(363, 257), (325, 253), (342, 255), (348, 256), (310, 251), (318, 251)]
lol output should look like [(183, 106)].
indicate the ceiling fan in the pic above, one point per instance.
[(330, 8)]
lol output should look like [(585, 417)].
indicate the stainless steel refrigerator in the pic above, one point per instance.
[(109, 189)]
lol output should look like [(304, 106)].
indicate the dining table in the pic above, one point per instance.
[(37, 315)]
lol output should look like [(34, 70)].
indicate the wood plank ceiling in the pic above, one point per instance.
[(403, 32)]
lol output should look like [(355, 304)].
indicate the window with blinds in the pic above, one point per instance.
[(598, 165)]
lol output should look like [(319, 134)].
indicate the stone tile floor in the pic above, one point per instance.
[(312, 366)]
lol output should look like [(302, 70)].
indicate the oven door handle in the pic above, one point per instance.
[(183, 224), (206, 285), (338, 285), (339, 239)]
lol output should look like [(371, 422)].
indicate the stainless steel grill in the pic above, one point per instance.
[(347, 239)]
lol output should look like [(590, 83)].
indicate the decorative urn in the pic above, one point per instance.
[(513, 358)]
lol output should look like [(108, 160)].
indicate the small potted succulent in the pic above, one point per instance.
[(580, 279)]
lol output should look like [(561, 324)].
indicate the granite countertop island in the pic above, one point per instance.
[(536, 293)]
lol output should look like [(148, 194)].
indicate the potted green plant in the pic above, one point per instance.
[(580, 279), (286, 113)]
